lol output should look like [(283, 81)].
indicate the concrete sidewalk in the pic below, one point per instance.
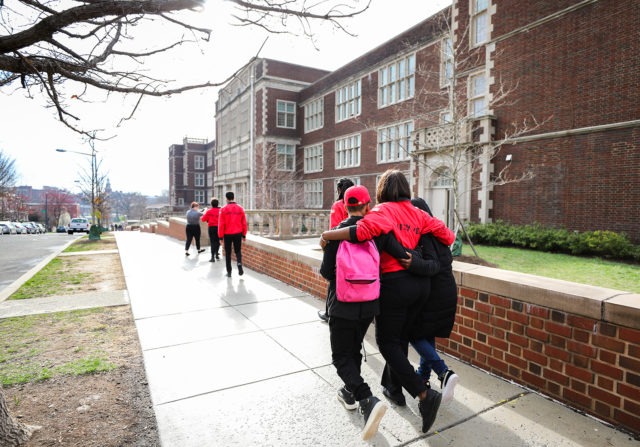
[(244, 361)]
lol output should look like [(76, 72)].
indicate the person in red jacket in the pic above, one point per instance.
[(211, 218), (401, 293), (232, 228)]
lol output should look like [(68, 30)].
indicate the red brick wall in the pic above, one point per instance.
[(589, 364)]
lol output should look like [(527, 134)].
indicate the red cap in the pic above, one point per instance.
[(356, 195)]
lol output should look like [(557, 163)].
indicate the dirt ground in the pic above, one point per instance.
[(104, 409)]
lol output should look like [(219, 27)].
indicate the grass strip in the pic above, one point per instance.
[(57, 276)]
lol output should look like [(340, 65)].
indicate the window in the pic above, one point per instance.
[(180, 201), (185, 179), (199, 196), (348, 152), (480, 22), (446, 117), (198, 179), (285, 157), (394, 142), (286, 114), (314, 115), (313, 157), (313, 194), (397, 81), (447, 60), (348, 101), (198, 162), (477, 95)]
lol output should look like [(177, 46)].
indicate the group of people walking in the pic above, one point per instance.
[(417, 299), (227, 224)]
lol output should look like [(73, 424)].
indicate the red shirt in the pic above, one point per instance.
[(211, 216), (232, 220), (338, 213), (406, 222)]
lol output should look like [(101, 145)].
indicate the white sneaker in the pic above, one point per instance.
[(448, 384)]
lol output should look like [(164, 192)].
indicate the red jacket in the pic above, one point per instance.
[(407, 222), (338, 213), (232, 220), (211, 216)]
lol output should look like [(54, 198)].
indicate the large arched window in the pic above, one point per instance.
[(442, 178)]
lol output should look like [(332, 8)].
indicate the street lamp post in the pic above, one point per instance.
[(94, 174)]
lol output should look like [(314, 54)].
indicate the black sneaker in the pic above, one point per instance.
[(346, 399), (323, 316), (217, 256), (228, 274), (212, 260), (448, 382), (201, 250), (429, 409), (397, 398), (372, 410), (240, 271)]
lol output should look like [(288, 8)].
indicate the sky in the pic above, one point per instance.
[(135, 158)]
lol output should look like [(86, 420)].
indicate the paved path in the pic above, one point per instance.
[(244, 361)]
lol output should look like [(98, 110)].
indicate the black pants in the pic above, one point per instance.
[(346, 339), (400, 299), (236, 241), (193, 232), (215, 241)]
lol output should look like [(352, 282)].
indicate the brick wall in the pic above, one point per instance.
[(575, 343)]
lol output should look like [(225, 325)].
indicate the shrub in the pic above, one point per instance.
[(607, 244)]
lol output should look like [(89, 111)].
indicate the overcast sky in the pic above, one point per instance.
[(136, 159)]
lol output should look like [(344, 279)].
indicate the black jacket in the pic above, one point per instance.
[(437, 315)]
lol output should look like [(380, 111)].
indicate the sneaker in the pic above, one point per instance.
[(397, 398), (429, 409), (217, 256), (228, 274), (201, 250), (240, 271), (212, 260), (448, 382), (323, 316), (372, 410), (346, 399), (186, 253)]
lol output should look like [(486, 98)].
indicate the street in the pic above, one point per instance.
[(19, 253)]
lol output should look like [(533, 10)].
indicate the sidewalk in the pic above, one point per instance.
[(245, 361)]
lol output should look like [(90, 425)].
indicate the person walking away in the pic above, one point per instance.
[(211, 217), (232, 229), (401, 293), (193, 228), (437, 316), (338, 214), (348, 325)]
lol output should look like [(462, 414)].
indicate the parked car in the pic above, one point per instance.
[(41, 228), (61, 229), (31, 227), (19, 228), (12, 228), (79, 224), (4, 229)]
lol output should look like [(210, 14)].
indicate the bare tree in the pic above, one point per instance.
[(57, 202), (13, 433), (130, 204), (67, 53), (277, 186)]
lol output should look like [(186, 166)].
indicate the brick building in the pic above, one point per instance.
[(517, 111), (190, 172)]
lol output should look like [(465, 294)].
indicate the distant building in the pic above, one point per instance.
[(191, 172), (286, 133)]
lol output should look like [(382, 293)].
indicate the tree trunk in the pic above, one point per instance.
[(12, 432)]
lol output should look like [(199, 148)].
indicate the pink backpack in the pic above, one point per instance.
[(357, 272)]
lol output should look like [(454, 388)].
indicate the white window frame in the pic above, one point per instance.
[(314, 115), (348, 101), (447, 60), (285, 157), (394, 142), (314, 158), (199, 195), (347, 151), (198, 179), (198, 162), (479, 21), (397, 81), (313, 197), (478, 95), (286, 111)]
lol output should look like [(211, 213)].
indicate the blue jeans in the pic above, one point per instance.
[(429, 358)]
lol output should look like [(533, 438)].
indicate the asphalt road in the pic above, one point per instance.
[(19, 253)]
